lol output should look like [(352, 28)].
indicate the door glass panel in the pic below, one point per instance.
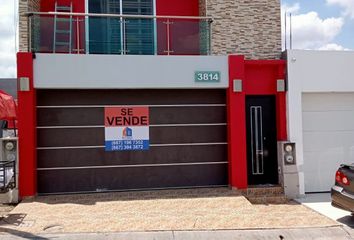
[(139, 33), (105, 32), (138, 7), (257, 140)]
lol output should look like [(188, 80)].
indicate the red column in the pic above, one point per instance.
[(27, 128), (281, 117), (281, 106), (237, 126)]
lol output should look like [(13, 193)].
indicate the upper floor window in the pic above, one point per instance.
[(137, 7), (112, 35)]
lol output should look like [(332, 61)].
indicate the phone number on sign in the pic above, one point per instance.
[(128, 147), (127, 142)]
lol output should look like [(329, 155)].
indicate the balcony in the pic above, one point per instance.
[(80, 33)]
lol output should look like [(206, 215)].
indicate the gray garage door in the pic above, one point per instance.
[(188, 141)]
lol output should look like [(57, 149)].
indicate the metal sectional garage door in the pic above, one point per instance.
[(188, 141), (328, 132)]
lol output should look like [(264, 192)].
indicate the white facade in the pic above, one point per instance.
[(70, 71), (320, 114)]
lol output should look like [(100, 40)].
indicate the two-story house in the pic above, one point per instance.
[(199, 83)]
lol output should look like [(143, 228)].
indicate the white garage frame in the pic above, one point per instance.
[(314, 72)]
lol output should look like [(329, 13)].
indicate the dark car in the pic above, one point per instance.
[(343, 191)]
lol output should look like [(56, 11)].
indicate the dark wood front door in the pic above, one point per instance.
[(262, 161)]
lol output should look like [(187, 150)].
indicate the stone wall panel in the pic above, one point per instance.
[(247, 27)]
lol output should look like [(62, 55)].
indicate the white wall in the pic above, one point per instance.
[(314, 72), (70, 71)]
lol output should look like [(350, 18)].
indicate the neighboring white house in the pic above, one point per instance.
[(320, 114)]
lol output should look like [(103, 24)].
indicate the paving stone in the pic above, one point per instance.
[(193, 209)]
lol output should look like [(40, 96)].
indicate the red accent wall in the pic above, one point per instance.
[(184, 34), (163, 7), (259, 77), (177, 7), (48, 5), (47, 25), (27, 128)]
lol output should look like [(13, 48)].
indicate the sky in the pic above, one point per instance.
[(320, 24), (7, 39), (316, 24)]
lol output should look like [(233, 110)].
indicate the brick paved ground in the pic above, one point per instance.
[(197, 209)]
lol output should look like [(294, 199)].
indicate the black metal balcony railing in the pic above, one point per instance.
[(119, 34)]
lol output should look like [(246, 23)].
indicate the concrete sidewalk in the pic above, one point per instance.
[(167, 210), (321, 203), (329, 233)]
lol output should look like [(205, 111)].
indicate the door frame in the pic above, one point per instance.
[(251, 77)]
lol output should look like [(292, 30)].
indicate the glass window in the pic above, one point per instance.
[(106, 33), (138, 7)]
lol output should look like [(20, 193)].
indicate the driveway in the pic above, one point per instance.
[(168, 210), (321, 202)]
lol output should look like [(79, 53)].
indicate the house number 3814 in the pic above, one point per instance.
[(208, 76)]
